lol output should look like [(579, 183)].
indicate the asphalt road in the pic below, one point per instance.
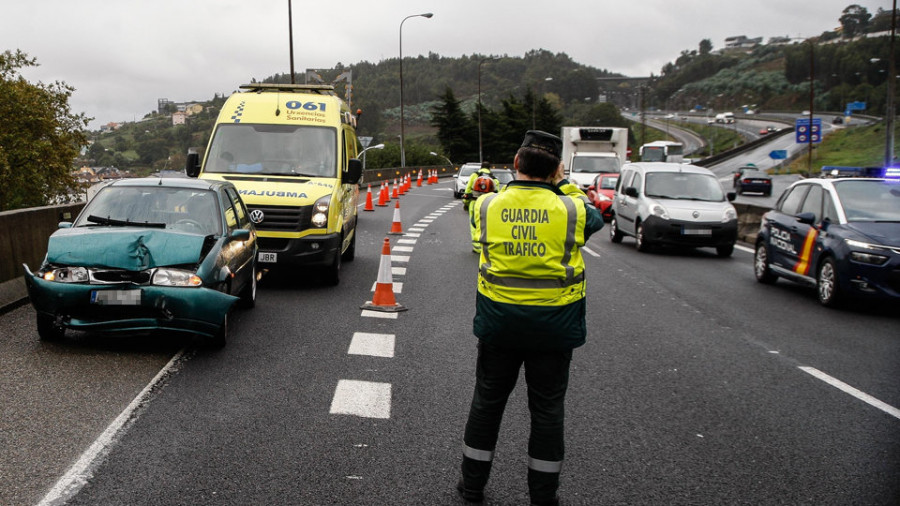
[(694, 387)]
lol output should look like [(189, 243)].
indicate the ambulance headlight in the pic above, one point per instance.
[(320, 212)]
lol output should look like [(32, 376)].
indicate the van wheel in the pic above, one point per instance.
[(641, 242), (615, 235), (333, 273), (48, 330), (351, 250), (725, 251)]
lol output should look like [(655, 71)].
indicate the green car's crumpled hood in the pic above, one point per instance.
[(123, 248)]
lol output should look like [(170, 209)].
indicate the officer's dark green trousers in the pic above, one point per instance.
[(547, 377)]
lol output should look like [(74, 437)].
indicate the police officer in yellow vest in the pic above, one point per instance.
[(481, 182), (529, 310)]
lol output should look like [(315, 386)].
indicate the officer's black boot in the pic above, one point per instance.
[(475, 475), (543, 487)]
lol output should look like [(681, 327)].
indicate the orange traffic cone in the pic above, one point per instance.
[(419, 180), (382, 197), (396, 226), (396, 193), (402, 189), (369, 200), (383, 298)]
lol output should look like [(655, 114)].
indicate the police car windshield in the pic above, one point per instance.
[(282, 150), (870, 200), (683, 186)]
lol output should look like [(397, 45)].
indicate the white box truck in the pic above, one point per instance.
[(588, 151)]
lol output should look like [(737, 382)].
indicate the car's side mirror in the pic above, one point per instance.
[(354, 171), (632, 192), (806, 218), (192, 165), (240, 234), (731, 196)]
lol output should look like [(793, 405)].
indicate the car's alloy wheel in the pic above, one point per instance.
[(827, 284), (615, 235), (761, 265)]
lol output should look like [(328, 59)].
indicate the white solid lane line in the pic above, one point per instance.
[(840, 385)]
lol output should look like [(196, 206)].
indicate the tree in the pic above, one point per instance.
[(705, 47), (855, 20), (40, 137), (455, 129)]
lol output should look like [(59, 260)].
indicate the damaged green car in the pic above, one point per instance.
[(169, 254)]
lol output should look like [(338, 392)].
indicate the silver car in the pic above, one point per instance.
[(462, 178), (661, 203)]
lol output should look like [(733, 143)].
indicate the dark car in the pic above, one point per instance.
[(504, 176), (753, 181), (148, 254), (740, 172), (840, 235)]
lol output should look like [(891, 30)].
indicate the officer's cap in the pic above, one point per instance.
[(544, 141)]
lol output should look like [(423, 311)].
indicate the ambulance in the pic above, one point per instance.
[(291, 152)]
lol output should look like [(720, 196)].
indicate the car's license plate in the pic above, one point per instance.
[(116, 297), (268, 257), (697, 231)]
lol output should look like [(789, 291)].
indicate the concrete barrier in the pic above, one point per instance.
[(23, 239)]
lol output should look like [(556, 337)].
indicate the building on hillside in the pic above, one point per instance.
[(779, 41), (741, 41), (179, 118)]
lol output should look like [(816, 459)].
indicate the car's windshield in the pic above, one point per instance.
[(185, 209), (284, 150), (595, 164), (870, 200), (503, 176), (683, 186), (608, 183)]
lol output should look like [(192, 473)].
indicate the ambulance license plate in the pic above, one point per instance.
[(116, 297), (268, 257)]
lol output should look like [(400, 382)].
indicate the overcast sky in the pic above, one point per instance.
[(121, 56)]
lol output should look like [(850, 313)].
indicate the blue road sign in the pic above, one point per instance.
[(778, 154), (806, 133), (856, 106)]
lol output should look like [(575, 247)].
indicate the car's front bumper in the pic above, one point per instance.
[(688, 233), (870, 281), (199, 311)]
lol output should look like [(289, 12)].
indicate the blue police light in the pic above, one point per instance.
[(892, 172)]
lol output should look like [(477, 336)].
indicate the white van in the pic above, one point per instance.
[(661, 203)]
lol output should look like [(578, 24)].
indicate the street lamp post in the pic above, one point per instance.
[(534, 103), (363, 153), (442, 156), (402, 148), (480, 152)]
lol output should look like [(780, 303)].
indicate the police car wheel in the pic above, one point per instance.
[(827, 284), (761, 265), (615, 235)]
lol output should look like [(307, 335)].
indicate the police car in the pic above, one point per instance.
[(840, 235)]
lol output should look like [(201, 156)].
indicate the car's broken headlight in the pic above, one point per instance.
[(175, 277), (67, 275)]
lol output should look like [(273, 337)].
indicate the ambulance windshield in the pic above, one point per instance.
[(283, 150)]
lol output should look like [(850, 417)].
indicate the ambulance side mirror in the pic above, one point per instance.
[(192, 165), (354, 171)]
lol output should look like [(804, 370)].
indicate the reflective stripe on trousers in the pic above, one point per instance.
[(545, 466), (475, 454)]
